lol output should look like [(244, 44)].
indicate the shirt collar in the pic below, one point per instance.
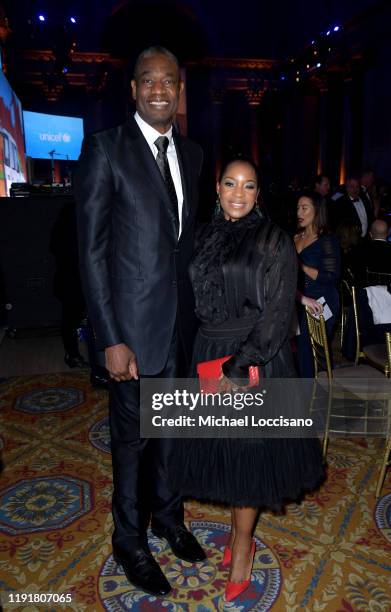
[(149, 132)]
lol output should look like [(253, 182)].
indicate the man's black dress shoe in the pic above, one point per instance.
[(183, 544), (99, 381), (75, 361), (143, 572)]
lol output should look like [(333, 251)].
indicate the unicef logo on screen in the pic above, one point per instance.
[(59, 137)]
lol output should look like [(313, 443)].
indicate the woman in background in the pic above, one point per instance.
[(319, 269)]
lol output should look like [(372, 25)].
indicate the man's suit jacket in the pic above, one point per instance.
[(374, 256), (343, 210), (134, 269)]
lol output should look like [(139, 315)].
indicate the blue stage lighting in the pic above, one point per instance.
[(318, 65), (336, 28), (328, 33), (41, 17), (72, 19)]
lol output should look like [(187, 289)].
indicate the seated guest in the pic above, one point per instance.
[(353, 207), (349, 237), (319, 265), (375, 255)]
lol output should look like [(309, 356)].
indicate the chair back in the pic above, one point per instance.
[(377, 278), (388, 348), (319, 344), (351, 289)]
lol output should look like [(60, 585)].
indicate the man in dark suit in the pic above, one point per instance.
[(352, 208), (374, 256), (137, 191)]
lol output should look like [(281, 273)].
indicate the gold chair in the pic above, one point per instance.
[(377, 278), (374, 354), (344, 291), (387, 450), (340, 386)]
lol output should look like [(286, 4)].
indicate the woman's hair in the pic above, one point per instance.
[(238, 158), (321, 218)]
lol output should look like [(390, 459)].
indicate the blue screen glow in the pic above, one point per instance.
[(46, 133)]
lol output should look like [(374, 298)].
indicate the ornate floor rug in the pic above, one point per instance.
[(332, 552)]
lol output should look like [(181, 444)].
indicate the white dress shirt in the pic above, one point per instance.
[(362, 213), (150, 135)]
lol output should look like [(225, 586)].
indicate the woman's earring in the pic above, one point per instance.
[(257, 208), (218, 205)]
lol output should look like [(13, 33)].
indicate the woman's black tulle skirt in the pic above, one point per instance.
[(258, 472)]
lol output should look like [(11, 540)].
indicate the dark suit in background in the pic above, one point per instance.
[(374, 256), (343, 211)]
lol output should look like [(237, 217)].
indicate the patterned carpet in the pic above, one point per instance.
[(333, 552)]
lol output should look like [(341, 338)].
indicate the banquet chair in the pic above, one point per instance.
[(375, 354), (377, 278), (387, 450), (345, 300), (352, 397)]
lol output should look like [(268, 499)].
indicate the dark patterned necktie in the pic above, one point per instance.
[(161, 144)]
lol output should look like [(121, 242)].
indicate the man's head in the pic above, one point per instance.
[(322, 185), (368, 178), (156, 87), (379, 230), (352, 187)]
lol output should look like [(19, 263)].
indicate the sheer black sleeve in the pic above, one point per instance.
[(329, 265), (275, 276)]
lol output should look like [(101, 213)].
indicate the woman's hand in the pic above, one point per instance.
[(312, 304), (228, 386)]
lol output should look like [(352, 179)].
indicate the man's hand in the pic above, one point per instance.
[(121, 362)]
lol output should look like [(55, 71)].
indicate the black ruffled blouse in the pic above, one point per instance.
[(246, 267)]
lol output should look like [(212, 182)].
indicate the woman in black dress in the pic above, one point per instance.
[(244, 280)]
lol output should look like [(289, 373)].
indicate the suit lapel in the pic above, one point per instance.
[(184, 168)]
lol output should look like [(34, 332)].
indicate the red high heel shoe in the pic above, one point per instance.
[(227, 556), (234, 589)]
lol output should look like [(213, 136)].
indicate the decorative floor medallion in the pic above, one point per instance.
[(99, 435), (383, 516), (196, 587), (49, 399), (43, 504)]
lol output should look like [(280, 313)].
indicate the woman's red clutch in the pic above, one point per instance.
[(209, 373)]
